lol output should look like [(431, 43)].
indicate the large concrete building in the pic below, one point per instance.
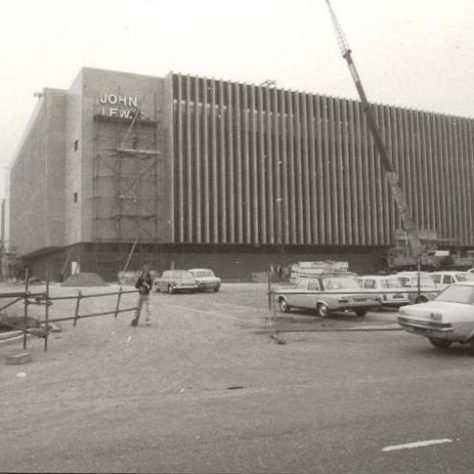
[(189, 171)]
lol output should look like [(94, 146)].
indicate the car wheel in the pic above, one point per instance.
[(361, 312), (439, 343), (216, 289), (421, 299), (170, 290), (284, 306), (322, 310)]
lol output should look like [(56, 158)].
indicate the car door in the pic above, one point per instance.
[(311, 294), (297, 294)]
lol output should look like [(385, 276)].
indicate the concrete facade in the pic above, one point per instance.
[(37, 206)]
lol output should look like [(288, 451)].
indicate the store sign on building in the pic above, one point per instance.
[(115, 105)]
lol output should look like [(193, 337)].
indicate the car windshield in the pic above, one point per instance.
[(391, 283), (340, 283), (457, 294), (203, 273), (461, 277)]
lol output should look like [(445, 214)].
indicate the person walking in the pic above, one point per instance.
[(144, 285)]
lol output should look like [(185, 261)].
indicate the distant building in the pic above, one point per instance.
[(186, 171)]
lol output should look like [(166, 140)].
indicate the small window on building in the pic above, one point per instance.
[(75, 197), (76, 145)]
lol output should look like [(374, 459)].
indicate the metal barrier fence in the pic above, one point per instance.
[(44, 298)]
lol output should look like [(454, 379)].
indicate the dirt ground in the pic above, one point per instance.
[(103, 357), (224, 335), (198, 344)]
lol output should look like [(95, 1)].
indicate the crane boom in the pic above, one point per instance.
[(409, 227)]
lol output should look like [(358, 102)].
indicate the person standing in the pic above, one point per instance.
[(144, 285)]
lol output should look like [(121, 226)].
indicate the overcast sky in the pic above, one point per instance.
[(412, 53)]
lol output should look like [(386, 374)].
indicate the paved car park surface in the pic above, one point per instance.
[(205, 389)]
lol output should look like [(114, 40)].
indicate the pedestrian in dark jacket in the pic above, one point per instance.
[(144, 285)]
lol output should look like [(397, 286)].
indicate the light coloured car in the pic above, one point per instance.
[(444, 279), (428, 289), (388, 287), (174, 281), (206, 279), (446, 319), (327, 293)]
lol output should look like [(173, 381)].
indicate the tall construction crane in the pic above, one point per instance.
[(416, 247)]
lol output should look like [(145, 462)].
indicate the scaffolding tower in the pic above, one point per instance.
[(125, 190)]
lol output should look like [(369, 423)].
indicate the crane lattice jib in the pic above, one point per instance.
[(392, 177)]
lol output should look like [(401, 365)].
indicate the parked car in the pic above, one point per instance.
[(428, 289), (448, 318), (325, 294), (174, 281), (388, 287), (206, 279), (444, 279)]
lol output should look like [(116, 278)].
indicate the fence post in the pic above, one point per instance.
[(46, 315), (269, 289), (78, 302), (272, 308), (117, 307), (25, 313)]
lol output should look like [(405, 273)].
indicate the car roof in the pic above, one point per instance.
[(464, 283), (308, 276), (379, 277), (199, 269), (449, 272), (413, 273)]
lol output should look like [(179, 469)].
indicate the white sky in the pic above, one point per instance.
[(413, 53)]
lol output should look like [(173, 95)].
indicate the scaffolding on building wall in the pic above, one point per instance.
[(125, 190)]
